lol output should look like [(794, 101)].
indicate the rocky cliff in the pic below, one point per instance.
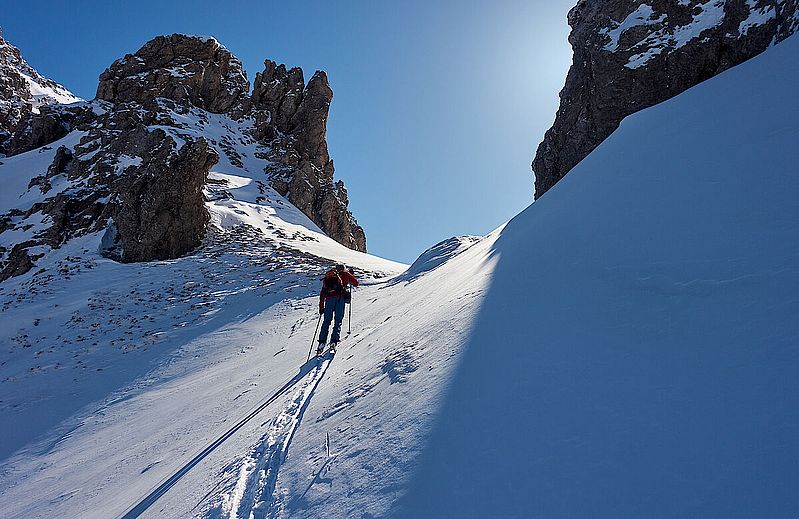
[(23, 91), (138, 169), (632, 54), (292, 118)]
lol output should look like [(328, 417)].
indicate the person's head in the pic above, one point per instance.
[(341, 267)]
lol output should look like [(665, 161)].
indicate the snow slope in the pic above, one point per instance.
[(82, 335), (46, 92), (637, 351), (625, 347)]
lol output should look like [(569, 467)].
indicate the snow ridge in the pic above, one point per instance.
[(647, 368)]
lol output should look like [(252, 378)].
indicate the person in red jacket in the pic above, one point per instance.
[(332, 299)]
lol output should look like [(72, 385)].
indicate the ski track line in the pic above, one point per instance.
[(146, 502), (253, 496)]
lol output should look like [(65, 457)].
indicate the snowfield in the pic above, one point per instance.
[(625, 347), (636, 353)]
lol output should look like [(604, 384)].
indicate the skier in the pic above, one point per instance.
[(332, 299)]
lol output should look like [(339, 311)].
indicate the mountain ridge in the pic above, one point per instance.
[(142, 140), (23, 91), (624, 347)]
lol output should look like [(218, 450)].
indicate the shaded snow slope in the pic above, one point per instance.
[(648, 366)]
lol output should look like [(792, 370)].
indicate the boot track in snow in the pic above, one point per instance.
[(251, 489)]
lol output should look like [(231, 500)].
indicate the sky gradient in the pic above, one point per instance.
[(438, 106)]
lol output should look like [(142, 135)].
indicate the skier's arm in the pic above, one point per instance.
[(351, 279)]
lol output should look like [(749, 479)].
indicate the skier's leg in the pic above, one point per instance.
[(329, 309), (339, 304)]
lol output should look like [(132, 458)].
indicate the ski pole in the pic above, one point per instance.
[(349, 319), (318, 322)]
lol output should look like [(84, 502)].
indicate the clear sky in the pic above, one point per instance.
[(438, 105)]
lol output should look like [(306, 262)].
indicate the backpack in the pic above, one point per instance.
[(332, 285)]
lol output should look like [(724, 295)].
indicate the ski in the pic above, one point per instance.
[(328, 348)]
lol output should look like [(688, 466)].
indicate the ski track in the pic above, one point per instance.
[(253, 496), (318, 372)]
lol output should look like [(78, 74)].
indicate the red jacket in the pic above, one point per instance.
[(346, 278)]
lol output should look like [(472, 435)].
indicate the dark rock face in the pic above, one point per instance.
[(139, 171), (292, 118), (139, 185), (13, 91), (160, 212), (632, 54), (194, 70), (37, 130), (278, 92)]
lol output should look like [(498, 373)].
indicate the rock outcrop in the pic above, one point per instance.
[(292, 118), (159, 211), (140, 168), (135, 183), (632, 54), (192, 70), (23, 91)]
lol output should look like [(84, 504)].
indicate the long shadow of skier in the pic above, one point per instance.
[(140, 507)]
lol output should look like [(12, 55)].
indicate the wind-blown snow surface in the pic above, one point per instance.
[(92, 350), (637, 351), (626, 347)]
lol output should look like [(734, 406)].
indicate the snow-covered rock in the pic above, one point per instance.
[(195, 70), (139, 156), (632, 54), (23, 91)]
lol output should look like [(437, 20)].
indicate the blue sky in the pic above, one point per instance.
[(438, 106)]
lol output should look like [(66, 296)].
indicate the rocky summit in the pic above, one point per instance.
[(137, 163), (629, 55), (195, 70)]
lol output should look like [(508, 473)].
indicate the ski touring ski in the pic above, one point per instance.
[(327, 348)]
